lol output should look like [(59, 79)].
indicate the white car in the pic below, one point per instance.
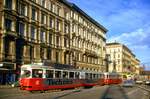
[(138, 81), (147, 82)]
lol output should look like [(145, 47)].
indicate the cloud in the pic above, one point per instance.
[(130, 38), (138, 41)]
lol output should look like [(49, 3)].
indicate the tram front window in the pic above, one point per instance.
[(37, 73), (25, 74)]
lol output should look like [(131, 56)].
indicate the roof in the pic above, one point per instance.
[(76, 8), (124, 46)]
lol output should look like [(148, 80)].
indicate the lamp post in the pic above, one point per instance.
[(114, 61), (107, 61)]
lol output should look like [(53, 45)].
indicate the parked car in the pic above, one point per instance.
[(139, 82), (147, 82), (128, 83)]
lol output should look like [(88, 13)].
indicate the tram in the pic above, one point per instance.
[(112, 78), (36, 77)]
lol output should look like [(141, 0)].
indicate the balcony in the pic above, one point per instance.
[(10, 11), (11, 34), (91, 53), (9, 58)]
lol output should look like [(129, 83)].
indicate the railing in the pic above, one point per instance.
[(147, 90)]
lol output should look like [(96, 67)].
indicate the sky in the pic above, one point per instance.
[(127, 22)]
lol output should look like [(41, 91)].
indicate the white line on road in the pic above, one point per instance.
[(131, 92)]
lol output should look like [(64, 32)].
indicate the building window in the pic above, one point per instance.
[(31, 53), (34, 14), (57, 40), (50, 38), (52, 7), (57, 57), (42, 53), (43, 18), (66, 15), (58, 10), (51, 23), (49, 53), (7, 47), (43, 3), (8, 24), (65, 42), (8, 4), (21, 29), (23, 9), (65, 58), (33, 32), (58, 25), (49, 5), (66, 28), (42, 36)]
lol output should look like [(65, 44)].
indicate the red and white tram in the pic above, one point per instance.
[(112, 78), (38, 77)]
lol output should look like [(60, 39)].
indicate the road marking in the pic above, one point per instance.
[(131, 92)]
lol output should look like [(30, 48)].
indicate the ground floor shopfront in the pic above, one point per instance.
[(7, 73), (7, 76)]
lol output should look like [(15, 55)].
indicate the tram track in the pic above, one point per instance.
[(16, 92)]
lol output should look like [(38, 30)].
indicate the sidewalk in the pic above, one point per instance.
[(5, 86)]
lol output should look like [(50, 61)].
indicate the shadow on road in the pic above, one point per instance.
[(114, 92)]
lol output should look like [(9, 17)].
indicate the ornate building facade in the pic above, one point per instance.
[(122, 59), (56, 31)]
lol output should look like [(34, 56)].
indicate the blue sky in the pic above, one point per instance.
[(128, 22)]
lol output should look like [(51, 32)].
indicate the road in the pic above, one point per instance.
[(98, 92)]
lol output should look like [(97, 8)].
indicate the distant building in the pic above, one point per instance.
[(122, 59), (55, 31), (145, 75)]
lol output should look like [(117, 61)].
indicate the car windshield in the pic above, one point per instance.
[(128, 81)]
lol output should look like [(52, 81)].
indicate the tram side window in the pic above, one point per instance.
[(49, 73), (94, 76), (107, 76), (71, 74), (65, 74), (37, 73), (86, 75), (91, 76), (26, 73), (57, 74), (77, 75)]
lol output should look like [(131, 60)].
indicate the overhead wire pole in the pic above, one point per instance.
[(114, 61)]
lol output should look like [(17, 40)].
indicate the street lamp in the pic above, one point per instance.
[(107, 61)]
